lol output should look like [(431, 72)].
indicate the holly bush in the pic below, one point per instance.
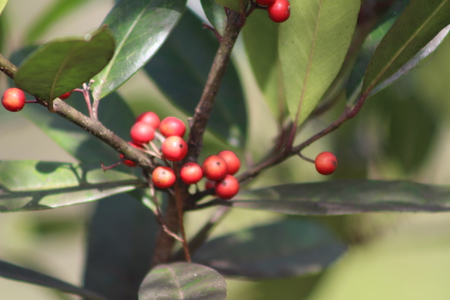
[(284, 88)]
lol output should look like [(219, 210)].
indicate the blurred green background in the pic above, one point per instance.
[(403, 132)]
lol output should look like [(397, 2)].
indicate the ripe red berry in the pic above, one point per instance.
[(209, 184), (326, 163), (13, 99), (163, 177), (265, 2), (279, 11), (65, 95), (150, 118), (172, 126), (142, 133), (174, 148), (214, 168), (233, 162), (228, 187), (128, 162), (191, 173)]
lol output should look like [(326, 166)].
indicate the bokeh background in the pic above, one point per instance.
[(403, 132)]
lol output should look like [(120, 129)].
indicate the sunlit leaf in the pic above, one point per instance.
[(420, 22), (313, 43), (34, 185), (139, 29), (64, 64), (2, 5), (345, 197), (121, 240), (259, 252), (15, 272), (215, 14), (183, 281), (184, 62)]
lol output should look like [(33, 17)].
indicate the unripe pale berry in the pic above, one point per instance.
[(233, 162), (228, 187), (279, 11), (13, 99), (142, 133), (325, 163), (174, 148), (65, 95), (191, 173), (172, 126), (163, 177), (214, 168), (150, 118)]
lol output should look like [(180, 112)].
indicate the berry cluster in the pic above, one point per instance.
[(218, 169), (279, 10), (14, 99)]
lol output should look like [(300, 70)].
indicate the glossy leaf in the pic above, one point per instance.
[(289, 247), (215, 14), (183, 281), (121, 240), (139, 29), (2, 5), (184, 62), (63, 65), (56, 12), (262, 33), (15, 272), (368, 48), (312, 46), (345, 197), (414, 29), (34, 185)]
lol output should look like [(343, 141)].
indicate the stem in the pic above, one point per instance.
[(179, 202), (7, 67)]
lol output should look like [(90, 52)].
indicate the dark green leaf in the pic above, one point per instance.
[(345, 197), (420, 22), (121, 241), (289, 247), (368, 48), (139, 28), (215, 14), (34, 185), (63, 65), (233, 4), (183, 281), (184, 62), (56, 12), (14, 272)]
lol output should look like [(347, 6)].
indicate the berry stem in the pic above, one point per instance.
[(7, 67)]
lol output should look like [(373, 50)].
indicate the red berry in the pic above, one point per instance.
[(214, 168), (128, 162), (279, 11), (172, 126), (191, 173), (209, 184), (174, 148), (265, 2), (233, 162), (142, 133), (163, 177), (150, 118), (13, 99), (228, 187), (65, 95), (326, 163)]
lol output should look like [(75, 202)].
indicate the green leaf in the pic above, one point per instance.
[(183, 281), (34, 185), (312, 46), (121, 240), (260, 252), (56, 12), (262, 33), (64, 64), (15, 272), (368, 48), (419, 23), (184, 62), (215, 14), (345, 197), (2, 5), (139, 29)]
